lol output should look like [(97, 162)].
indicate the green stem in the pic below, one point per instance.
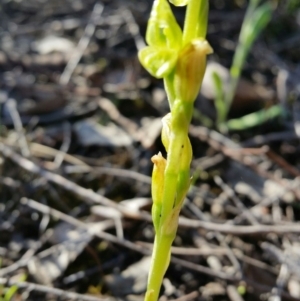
[(203, 19), (159, 263), (191, 20), (169, 87)]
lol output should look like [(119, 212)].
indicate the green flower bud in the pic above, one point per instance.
[(186, 148), (190, 69), (157, 188)]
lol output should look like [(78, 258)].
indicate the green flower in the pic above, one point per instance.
[(164, 37), (166, 52)]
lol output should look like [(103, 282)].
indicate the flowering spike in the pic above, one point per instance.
[(180, 58)]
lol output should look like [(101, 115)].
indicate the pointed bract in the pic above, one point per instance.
[(158, 177), (190, 68)]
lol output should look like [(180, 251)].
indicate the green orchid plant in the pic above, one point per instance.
[(179, 58)]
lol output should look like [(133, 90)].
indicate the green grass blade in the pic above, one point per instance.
[(255, 21), (255, 119)]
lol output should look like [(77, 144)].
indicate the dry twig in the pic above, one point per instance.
[(51, 290), (90, 196)]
